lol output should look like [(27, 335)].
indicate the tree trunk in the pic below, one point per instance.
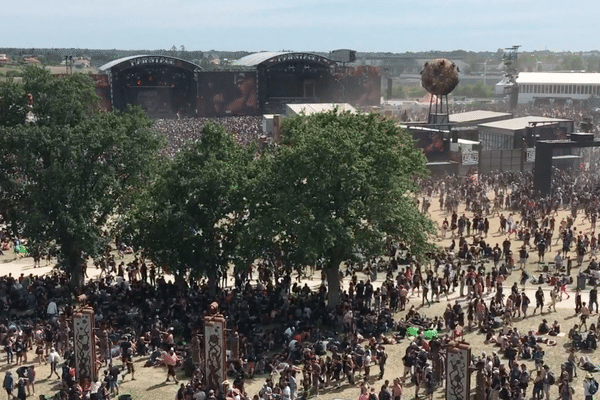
[(332, 270), (213, 282), (73, 263), (180, 281)]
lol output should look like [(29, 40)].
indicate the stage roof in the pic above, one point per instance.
[(152, 59), (271, 57), (295, 109), (254, 59), (582, 78)]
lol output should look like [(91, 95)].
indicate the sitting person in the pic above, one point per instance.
[(555, 330), (401, 329), (590, 340), (526, 352), (543, 328), (489, 335), (531, 340), (412, 313), (574, 333)]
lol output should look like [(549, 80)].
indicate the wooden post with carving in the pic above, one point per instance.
[(215, 347), (458, 374), (84, 344)]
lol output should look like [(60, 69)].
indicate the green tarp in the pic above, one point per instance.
[(412, 331), (430, 334)]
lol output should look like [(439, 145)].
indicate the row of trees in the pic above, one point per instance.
[(340, 185), (476, 90)]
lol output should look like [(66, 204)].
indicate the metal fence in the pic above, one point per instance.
[(503, 160)]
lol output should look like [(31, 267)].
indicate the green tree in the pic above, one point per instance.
[(57, 100), (66, 175), (13, 102), (189, 221), (415, 91), (593, 64), (573, 62), (398, 92), (339, 185)]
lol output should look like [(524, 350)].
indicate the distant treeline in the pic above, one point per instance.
[(99, 57)]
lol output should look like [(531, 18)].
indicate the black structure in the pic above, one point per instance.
[(259, 83), (285, 78), (544, 157), (163, 86)]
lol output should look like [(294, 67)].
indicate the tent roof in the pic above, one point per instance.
[(476, 115)]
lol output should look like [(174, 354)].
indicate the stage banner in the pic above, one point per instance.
[(458, 382), (530, 155), (84, 344), (215, 351), (470, 158)]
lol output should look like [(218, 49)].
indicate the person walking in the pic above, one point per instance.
[(367, 362), (585, 313), (523, 256), (524, 303), (549, 380), (53, 358), (558, 262), (425, 292), (381, 360), (128, 359), (170, 359), (21, 393), (563, 289), (553, 298), (593, 299), (539, 300), (565, 390), (538, 385), (590, 387), (397, 389), (9, 384), (31, 380)]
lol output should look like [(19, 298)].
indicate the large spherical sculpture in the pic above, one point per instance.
[(440, 76)]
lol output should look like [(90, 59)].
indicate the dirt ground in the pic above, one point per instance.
[(150, 382)]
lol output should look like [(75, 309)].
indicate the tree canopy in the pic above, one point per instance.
[(63, 176), (56, 100), (189, 220), (341, 184)]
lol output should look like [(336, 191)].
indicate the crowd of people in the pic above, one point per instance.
[(285, 331), (179, 132), (310, 349)]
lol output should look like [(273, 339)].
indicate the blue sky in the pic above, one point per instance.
[(302, 25)]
